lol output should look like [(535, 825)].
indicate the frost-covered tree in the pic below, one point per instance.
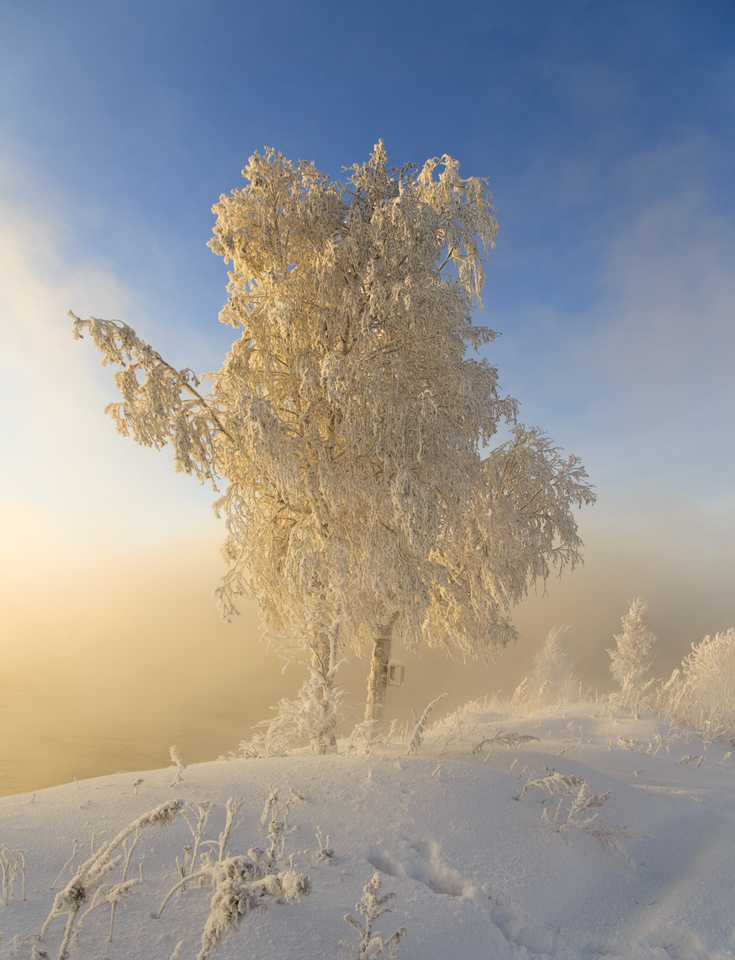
[(632, 658), (349, 422), (552, 681)]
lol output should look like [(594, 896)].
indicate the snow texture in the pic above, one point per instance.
[(475, 873)]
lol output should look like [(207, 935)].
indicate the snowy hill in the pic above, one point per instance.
[(478, 871)]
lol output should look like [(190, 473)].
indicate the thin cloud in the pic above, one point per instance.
[(64, 460)]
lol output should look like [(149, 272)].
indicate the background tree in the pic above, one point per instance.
[(632, 658), (552, 681), (349, 422)]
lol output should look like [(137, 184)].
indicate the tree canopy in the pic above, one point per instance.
[(350, 424)]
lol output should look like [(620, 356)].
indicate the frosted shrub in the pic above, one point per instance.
[(244, 883), (312, 718), (552, 681), (701, 693), (372, 907), (631, 660), (240, 885)]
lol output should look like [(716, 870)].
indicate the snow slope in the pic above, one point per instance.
[(476, 873)]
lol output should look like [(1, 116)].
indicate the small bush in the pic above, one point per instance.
[(701, 694)]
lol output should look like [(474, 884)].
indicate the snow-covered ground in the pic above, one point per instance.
[(477, 873)]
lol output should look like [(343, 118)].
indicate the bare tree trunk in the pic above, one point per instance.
[(378, 679)]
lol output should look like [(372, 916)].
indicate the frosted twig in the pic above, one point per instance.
[(515, 740), (233, 806), (419, 729), (77, 848), (325, 852), (269, 804), (372, 907), (180, 766), (202, 812)]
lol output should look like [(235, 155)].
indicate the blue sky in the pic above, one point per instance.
[(606, 132)]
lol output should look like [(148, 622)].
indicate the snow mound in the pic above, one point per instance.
[(479, 867)]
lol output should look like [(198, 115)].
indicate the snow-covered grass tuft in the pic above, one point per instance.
[(579, 808), (240, 884), (12, 864), (419, 729), (91, 886)]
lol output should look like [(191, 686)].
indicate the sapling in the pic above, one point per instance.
[(372, 907), (313, 717), (552, 681), (631, 659)]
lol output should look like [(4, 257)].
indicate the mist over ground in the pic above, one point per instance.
[(130, 653)]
